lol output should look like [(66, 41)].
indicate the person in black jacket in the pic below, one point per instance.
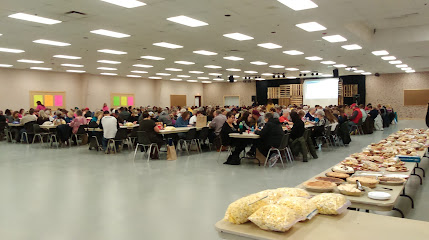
[(271, 135), (298, 128), (227, 128)]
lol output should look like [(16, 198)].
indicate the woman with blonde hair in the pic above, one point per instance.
[(43, 117)]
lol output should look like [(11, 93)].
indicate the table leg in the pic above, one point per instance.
[(414, 174), (405, 195), (424, 173), (399, 210)]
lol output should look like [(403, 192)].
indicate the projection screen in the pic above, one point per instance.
[(322, 92)]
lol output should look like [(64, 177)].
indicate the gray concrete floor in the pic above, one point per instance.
[(74, 193)]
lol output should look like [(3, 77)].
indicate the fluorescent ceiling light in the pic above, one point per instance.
[(109, 51), (67, 57), (380, 53), (33, 18), (314, 58), (6, 65), (232, 58), (52, 43), (299, 5), (233, 69), (109, 74), (350, 69), (108, 62), (351, 47), (238, 36), (126, 3), (292, 69), (366, 73), (135, 71), (190, 22), (306, 71), (406, 69), (388, 58), (395, 62), (359, 71), (311, 26), (30, 61), (134, 76), (10, 50), (277, 66), (184, 76), (184, 62), (212, 66), (258, 63), (196, 72), (410, 71), (71, 65), (76, 71), (192, 80), (110, 33), (167, 45), (41, 68), (327, 62), (153, 58), (269, 45), (206, 82), (260, 78), (293, 52), (203, 78), (174, 69), (340, 65), (155, 77), (204, 52), (107, 68), (250, 72), (176, 79), (218, 79), (142, 66), (163, 74), (402, 66), (335, 38), (236, 76), (291, 77), (215, 74), (266, 74)]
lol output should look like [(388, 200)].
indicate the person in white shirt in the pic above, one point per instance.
[(110, 126), (193, 119), (364, 114), (28, 117)]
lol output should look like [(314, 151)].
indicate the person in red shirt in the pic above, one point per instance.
[(355, 117)]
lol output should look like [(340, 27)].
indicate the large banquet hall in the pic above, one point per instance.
[(226, 119)]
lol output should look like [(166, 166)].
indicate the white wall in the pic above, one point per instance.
[(164, 89)]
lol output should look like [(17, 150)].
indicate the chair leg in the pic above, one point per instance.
[(266, 159), (186, 146), (149, 152), (135, 152), (281, 159)]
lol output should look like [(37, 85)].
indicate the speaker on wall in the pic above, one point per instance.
[(253, 98), (335, 72), (231, 78)]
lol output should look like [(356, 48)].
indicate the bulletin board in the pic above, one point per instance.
[(416, 97), (52, 100), (122, 100)]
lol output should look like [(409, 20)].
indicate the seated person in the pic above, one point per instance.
[(319, 127), (310, 115), (298, 128), (2, 118), (149, 126), (247, 120), (76, 122), (285, 117), (165, 118), (193, 119), (271, 135), (183, 120), (231, 127), (355, 117), (8, 114), (43, 117), (110, 126)]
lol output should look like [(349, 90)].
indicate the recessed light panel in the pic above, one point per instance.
[(395, 62), (142, 65), (351, 47), (30, 61), (406, 69), (327, 62), (212, 66), (232, 58), (292, 69), (206, 82), (196, 72), (184, 62), (340, 65), (410, 71), (190, 22), (167, 45), (71, 65), (359, 71), (269, 45), (380, 53), (67, 57), (153, 58), (41, 68), (155, 77), (335, 38), (109, 74), (109, 51), (299, 5), (291, 77), (311, 26), (192, 81), (251, 72), (135, 71), (110, 33), (350, 69), (218, 79), (215, 74), (76, 71), (184, 76), (366, 73), (108, 62), (266, 74), (314, 58), (293, 52), (134, 76), (106, 68), (33, 18), (402, 66), (233, 69), (126, 3), (238, 36), (52, 43), (203, 78), (258, 63), (174, 69), (176, 79), (306, 71), (387, 58), (5, 65), (11, 50), (204, 52), (277, 66), (163, 74)]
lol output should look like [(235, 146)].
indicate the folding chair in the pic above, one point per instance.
[(190, 139), (80, 132), (144, 141), (39, 133)]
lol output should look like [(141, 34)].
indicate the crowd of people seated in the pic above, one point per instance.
[(266, 121)]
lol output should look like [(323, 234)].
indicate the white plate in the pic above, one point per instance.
[(379, 195), (397, 175)]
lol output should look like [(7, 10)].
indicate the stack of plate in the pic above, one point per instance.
[(379, 195)]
